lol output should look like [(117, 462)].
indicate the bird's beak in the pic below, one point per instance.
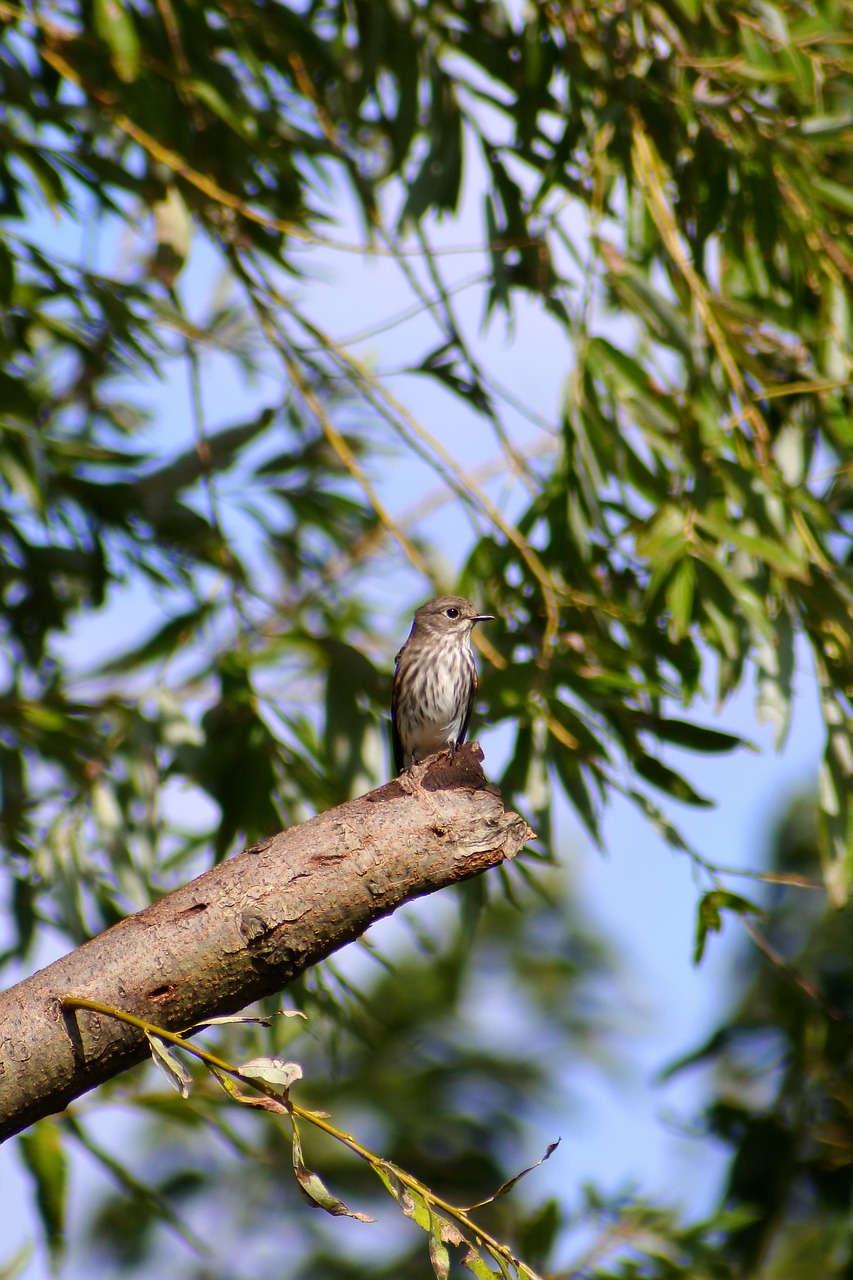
[(484, 617)]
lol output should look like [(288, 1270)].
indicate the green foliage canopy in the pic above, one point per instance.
[(695, 507)]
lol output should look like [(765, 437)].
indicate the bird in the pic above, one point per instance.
[(435, 680)]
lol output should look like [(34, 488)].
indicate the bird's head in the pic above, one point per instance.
[(449, 617)]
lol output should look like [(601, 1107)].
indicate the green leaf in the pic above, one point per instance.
[(632, 383), (436, 185), (666, 779), (838, 196), (415, 1206), (826, 126), (709, 915), (538, 1233), (570, 773), (662, 538), (7, 274), (211, 97), (240, 1019), (665, 319), (695, 737), (15, 396), (692, 9), (659, 820), (164, 642), (312, 1187), (787, 558), (47, 176), (588, 745), (679, 598), (217, 452), (721, 598), (498, 295), (835, 792), (386, 1172), (775, 673), (114, 24), (135, 1188), (44, 1156)]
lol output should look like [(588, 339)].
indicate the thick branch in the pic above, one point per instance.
[(246, 928)]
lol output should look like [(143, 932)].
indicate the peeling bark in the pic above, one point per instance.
[(246, 928)]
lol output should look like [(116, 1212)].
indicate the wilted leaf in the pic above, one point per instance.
[(274, 1071), (414, 1206), (173, 236), (259, 1102), (438, 1254), (237, 1018), (15, 1265), (313, 1188), (170, 1065), (477, 1265), (507, 1186)]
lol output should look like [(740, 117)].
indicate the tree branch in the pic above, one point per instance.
[(247, 927)]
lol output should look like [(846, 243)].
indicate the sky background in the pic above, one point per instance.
[(627, 1131)]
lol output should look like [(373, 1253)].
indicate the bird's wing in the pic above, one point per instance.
[(470, 707), (396, 744)]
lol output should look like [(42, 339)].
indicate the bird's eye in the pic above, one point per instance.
[(452, 613)]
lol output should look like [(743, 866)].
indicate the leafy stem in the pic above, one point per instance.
[(444, 1222)]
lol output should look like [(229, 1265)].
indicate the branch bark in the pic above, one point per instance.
[(248, 927)]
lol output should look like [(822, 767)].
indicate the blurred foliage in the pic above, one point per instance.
[(779, 1082), (430, 1071), (669, 185)]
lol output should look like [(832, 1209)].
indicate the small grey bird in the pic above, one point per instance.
[(435, 680)]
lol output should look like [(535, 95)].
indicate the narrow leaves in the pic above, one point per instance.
[(170, 1065), (709, 917), (312, 1187)]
